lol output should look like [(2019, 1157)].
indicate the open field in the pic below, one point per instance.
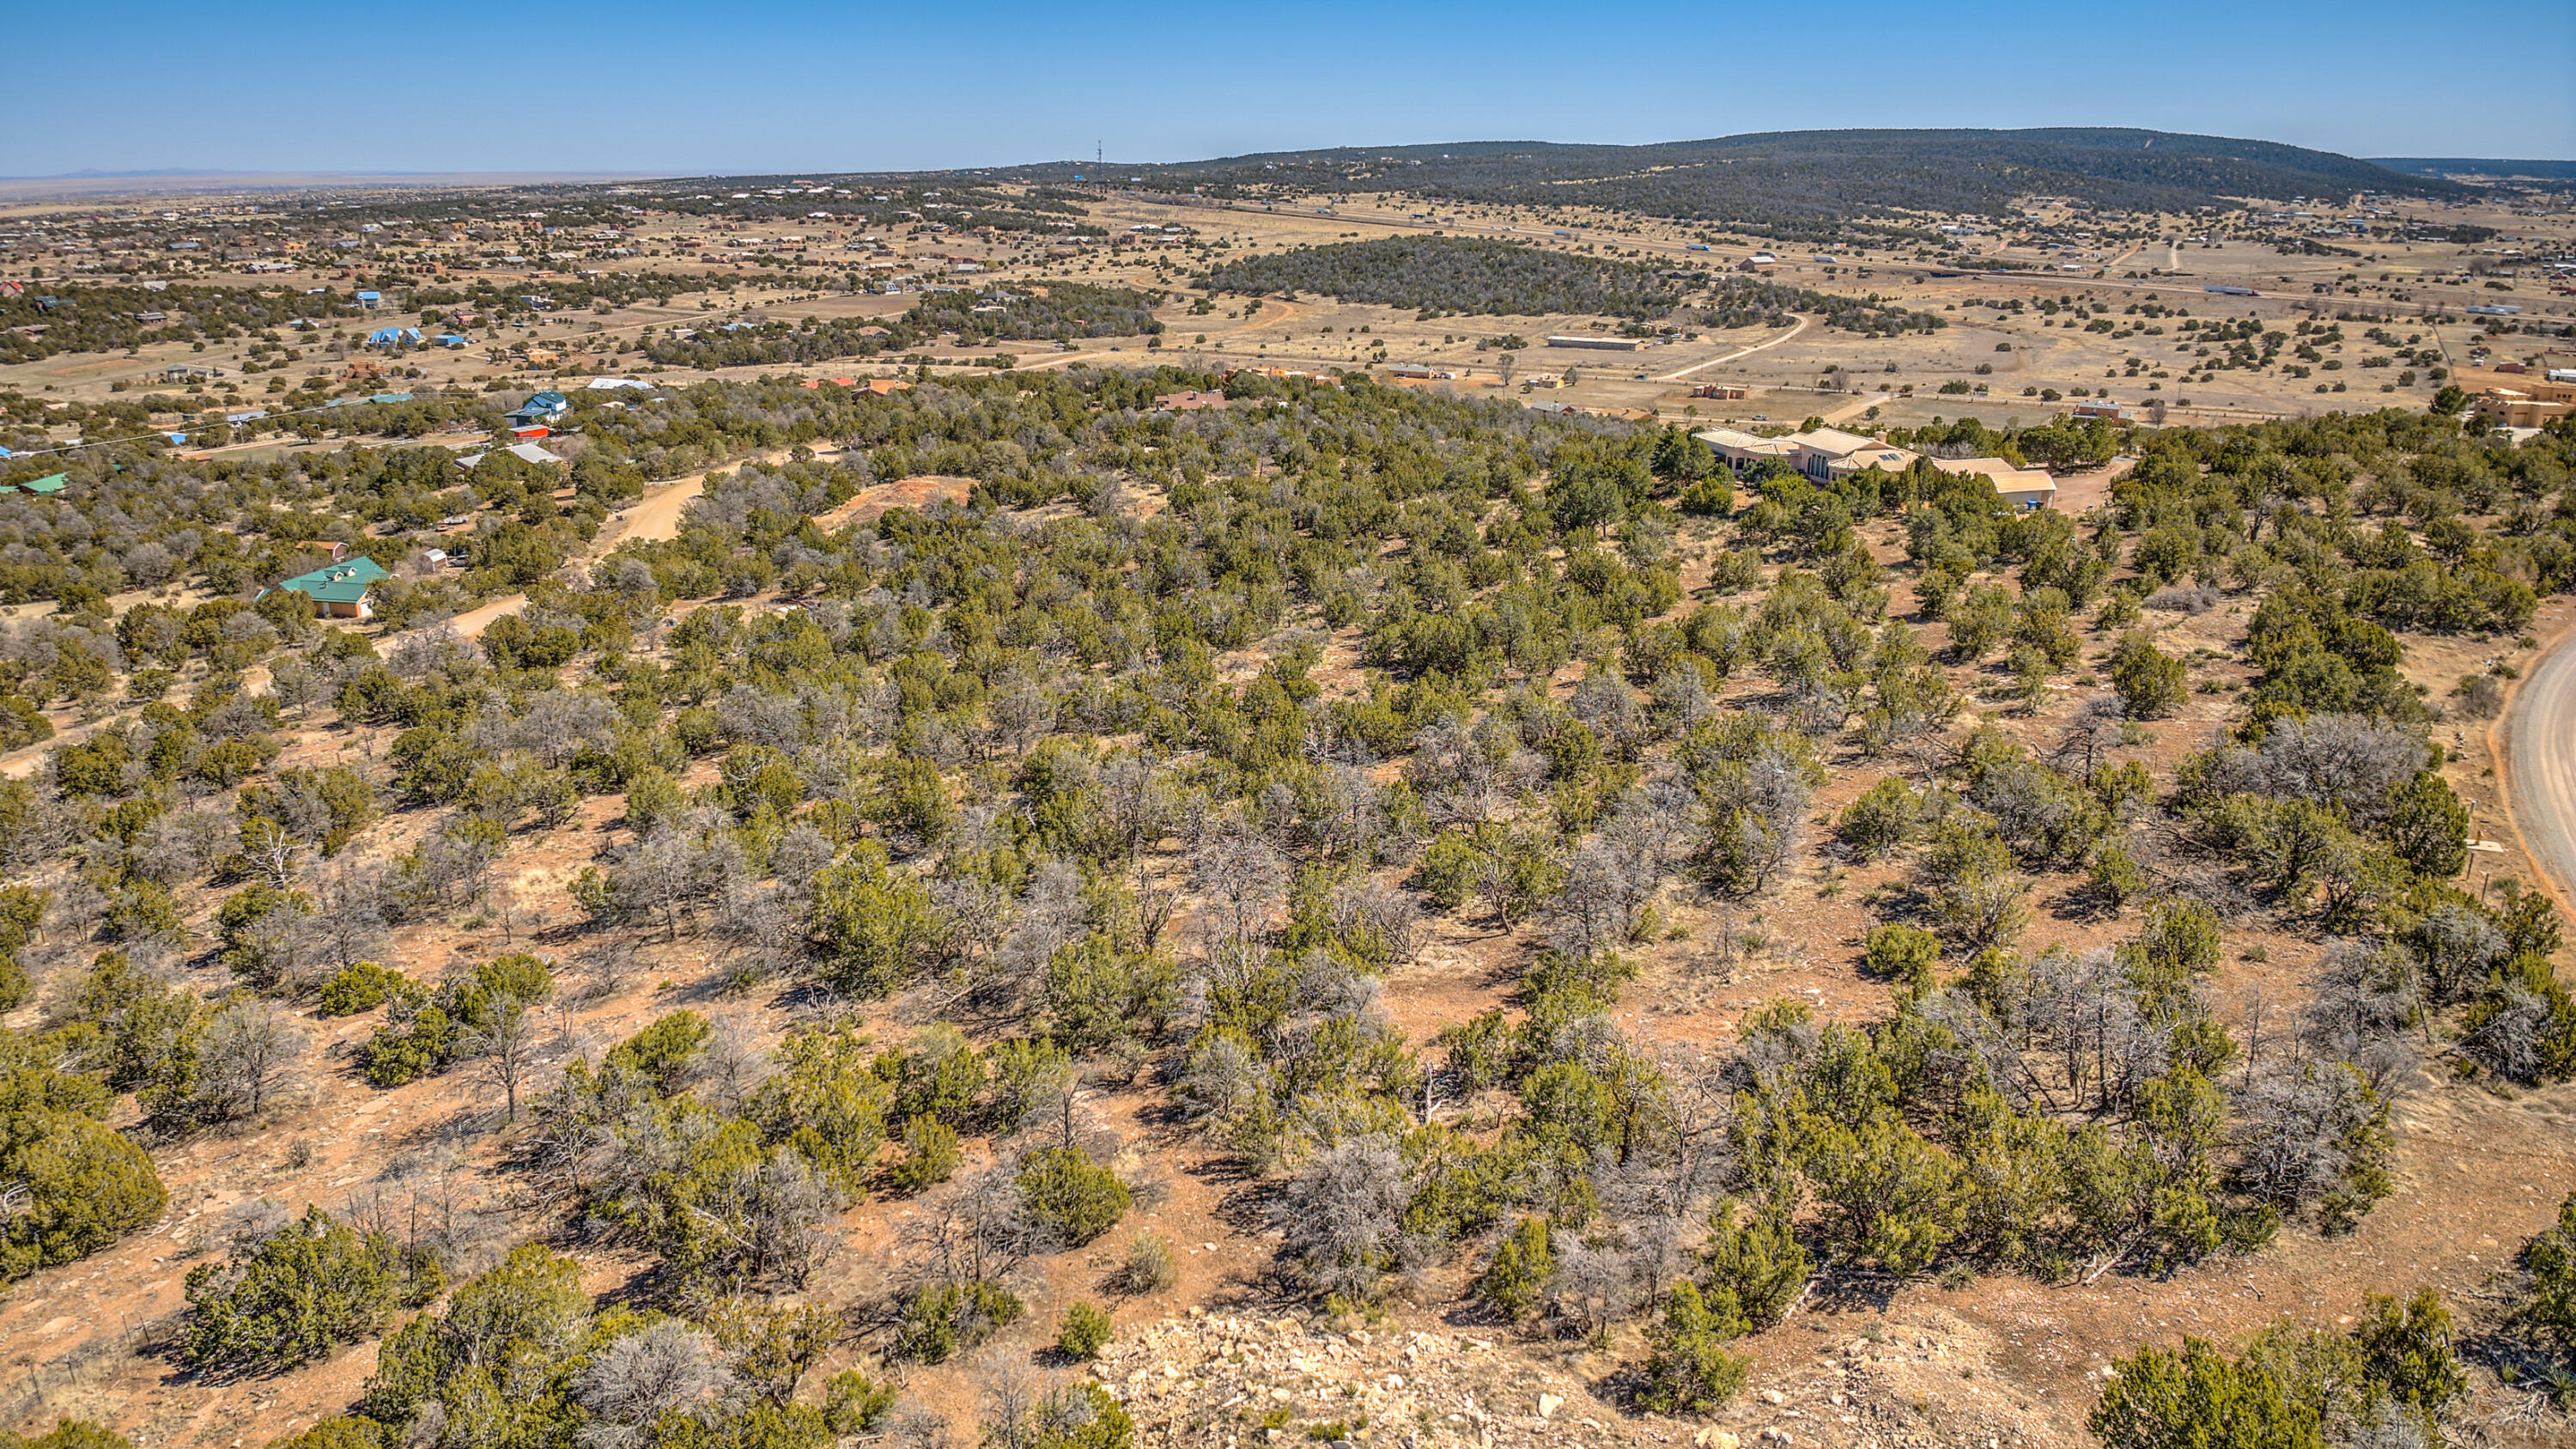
[(2402, 282)]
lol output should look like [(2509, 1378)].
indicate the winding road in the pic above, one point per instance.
[(653, 517), (1679, 373), (2540, 765)]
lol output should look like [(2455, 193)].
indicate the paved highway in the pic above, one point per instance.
[(2540, 764)]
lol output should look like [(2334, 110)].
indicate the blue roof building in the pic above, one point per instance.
[(540, 410)]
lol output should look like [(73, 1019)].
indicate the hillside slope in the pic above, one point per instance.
[(1803, 179)]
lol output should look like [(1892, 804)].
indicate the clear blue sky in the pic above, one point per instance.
[(285, 85)]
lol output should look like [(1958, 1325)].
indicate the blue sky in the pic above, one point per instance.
[(678, 88)]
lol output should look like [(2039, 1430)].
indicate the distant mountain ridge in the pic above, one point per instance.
[(1795, 182), (2447, 166)]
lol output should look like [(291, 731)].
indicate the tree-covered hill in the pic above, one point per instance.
[(1477, 277), (1802, 182), (1065, 311), (1457, 274), (2449, 166)]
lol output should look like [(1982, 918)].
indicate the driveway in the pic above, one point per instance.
[(652, 518), (2540, 764)]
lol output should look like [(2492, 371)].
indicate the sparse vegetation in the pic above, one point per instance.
[(1157, 770)]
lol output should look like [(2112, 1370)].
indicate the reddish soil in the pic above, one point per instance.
[(876, 499), (2476, 1171)]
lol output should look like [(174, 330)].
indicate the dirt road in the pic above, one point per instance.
[(2080, 493), (653, 517), (2540, 765), (656, 515), (473, 622), (1856, 407), (1679, 373)]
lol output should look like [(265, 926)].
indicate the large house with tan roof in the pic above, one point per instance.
[(1829, 453), (1825, 454), (1741, 450), (2018, 487)]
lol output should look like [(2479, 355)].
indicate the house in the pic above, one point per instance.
[(1600, 344), (883, 386), (2108, 411), (2023, 488), (539, 410), (51, 483), (1741, 450), (338, 590), (1830, 453), (1188, 402), (524, 452), (615, 384), (448, 339), (1722, 391), (329, 548), (2506, 407), (394, 337), (370, 301)]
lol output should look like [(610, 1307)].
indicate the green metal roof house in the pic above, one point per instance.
[(50, 483), (338, 591)]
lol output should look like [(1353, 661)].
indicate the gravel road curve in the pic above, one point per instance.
[(2540, 764)]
